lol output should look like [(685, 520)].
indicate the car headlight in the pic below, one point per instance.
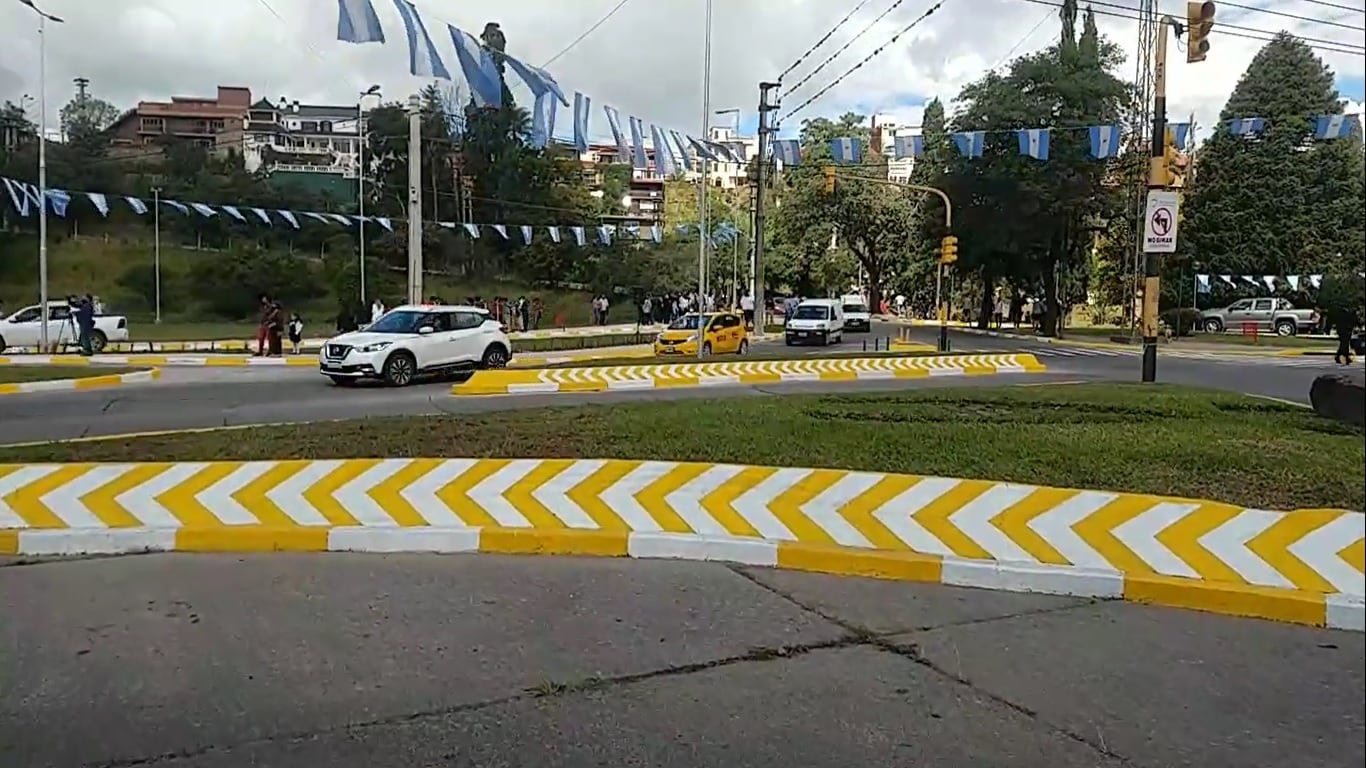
[(377, 346)]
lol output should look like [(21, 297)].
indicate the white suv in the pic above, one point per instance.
[(408, 342)]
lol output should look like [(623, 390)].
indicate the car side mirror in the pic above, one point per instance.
[(425, 330)]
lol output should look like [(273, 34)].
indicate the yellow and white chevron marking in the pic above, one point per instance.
[(166, 361), (87, 382), (1304, 566), (622, 377)]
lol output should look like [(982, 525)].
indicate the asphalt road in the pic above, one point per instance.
[(363, 661), (189, 398)]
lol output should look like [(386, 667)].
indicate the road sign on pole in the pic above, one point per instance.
[(1160, 224)]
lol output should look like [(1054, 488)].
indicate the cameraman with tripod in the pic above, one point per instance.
[(83, 317)]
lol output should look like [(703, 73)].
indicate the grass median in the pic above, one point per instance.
[(1153, 439), (19, 374)]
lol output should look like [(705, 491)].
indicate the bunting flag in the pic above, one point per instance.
[(500, 229), (233, 212), (578, 235), (100, 202), (179, 206), (139, 207), (1180, 133), (638, 160), (907, 146), (554, 234), (1328, 127), (1245, 126), (1034, 143), (1294, 281), (581, 106), (423, 60), (683, 155), (656, 233), (289, 217), (1202, 284), (846, 150), (703, 150), (472, 229), (789, 151), (203, 210), (663, 156), (59, 200), (537, 79), (479, 68), (1270, 282), (526, 233), (1105, 141), (605, 232), (543, 119), (357, 22), (265, 217), (614, 122), (970, 143)]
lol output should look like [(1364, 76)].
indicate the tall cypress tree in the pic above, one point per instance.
[(1278, 203)]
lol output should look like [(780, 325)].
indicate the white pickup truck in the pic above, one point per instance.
[(24, 328)]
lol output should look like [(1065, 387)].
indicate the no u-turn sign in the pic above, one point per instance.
[(1160, 221)]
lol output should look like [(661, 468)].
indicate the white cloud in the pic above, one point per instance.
[(647, 60)]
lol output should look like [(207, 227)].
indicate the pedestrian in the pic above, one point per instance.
[(296, 331), (377, 310), (275, 326), (537, 309), (1344, 322), (262, 325), (747, 309), (84, 315)]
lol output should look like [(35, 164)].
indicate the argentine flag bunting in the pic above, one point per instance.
[(907, 146), (789, 151), (638, 159), (1180, 134), (614, 122), (970, 143), (846, 150), (1034, 142), (423, 59), (664, 165), (357, 22), (581, 106), (1335, 126), (479, 68), (1104, 141), (1246, 126), (682, 146)]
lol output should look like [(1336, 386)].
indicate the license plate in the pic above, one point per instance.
[(802, 333)]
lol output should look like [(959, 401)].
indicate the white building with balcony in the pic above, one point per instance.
[(304, 139)]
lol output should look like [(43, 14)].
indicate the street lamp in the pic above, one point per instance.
[(702, 188), (626, 202), (360, 181), (736, 112), (43, 18)]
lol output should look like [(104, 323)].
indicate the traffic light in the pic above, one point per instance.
[(948, 250), (829, 172), (1173, 161), (1199, 22)]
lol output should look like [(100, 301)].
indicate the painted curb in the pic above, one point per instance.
[(297, 361), (1177, 347), (1304, 567), (743, 373), (88, 382)]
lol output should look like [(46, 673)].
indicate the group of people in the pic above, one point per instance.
[(666, 308), (273, 329)]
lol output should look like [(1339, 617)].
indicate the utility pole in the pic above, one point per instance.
[(156, 248), (414, 200), (1157, 180), (704, 235), (82, 84), (761, 184)]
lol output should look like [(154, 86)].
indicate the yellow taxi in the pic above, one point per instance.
[(723, 333)]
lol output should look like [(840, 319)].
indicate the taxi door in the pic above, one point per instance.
[(728, 332)]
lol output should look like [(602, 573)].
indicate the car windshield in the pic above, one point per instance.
[(812, 312), (686, 323), (398, 322), (855, 309)]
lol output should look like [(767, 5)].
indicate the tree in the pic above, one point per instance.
[(1278, 203)]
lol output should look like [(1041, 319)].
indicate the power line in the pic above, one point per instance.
[(1294, 16), (821, 41), (866, 59), (586, 33), (842, 49), (1226, 28), (1047, 15), (1339, 7)]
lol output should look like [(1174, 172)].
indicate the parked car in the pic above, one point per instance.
[(724, 333), (1265, 315), (413, 341), (24, 328)]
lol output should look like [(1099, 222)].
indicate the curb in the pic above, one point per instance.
[(746, 373), (1249, 352), (288, 361), (88, 382), (1303, 567)]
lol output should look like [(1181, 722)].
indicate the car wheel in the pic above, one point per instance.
[(342, 381), (98, 341), (787, 342), (1285, 328), (743, 348), (400, 369), (494, 357), (1213, 326)]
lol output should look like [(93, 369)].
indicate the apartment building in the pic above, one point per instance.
[(884, 134), (643, 202), (215, 123), (313, 146)]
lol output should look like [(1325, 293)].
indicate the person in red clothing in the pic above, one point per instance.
[(263, 325)]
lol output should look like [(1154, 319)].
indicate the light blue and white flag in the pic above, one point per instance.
[(357, 22), (1034, 142), (500, 229), (1105, 141), (1294, 281), (59, 199), (289, 217), (423, 60), (526, 234), (684, 156), (1202, 284), (605, 232), (318, 217), (656, 233), (581, 106), (543, 119), (232, 211), (179, 206), (1180, 134), (788, 151), (24, 196), (341, 219), (385, 222), (631, 230), (1316, 280), (472, 230), (846, 150), (1245, 126), (703, 150), (664, 165), (100, 202), (907, 146), (537, 79), (578, 236), (478, 66), (203, 210), (614, 123), (970, 143), (638, 159), (554, 234), (139, 207), (1327, 127), (262, 215)]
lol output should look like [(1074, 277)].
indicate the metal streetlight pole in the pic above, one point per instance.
[(703, 235), (43, 18), (360, 182), (156, 248)]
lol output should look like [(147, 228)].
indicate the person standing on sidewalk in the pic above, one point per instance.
[(263, 324), (84, 315)]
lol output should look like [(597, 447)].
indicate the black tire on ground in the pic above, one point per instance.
[(496, 356), (400, 369)]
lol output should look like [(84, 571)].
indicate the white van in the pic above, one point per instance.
[(857, 317), (816, 320)]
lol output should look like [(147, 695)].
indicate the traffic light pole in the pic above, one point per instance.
[(1157, 180), (939, 302), (761, 185)]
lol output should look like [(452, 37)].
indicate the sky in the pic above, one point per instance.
[(646, 59)]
